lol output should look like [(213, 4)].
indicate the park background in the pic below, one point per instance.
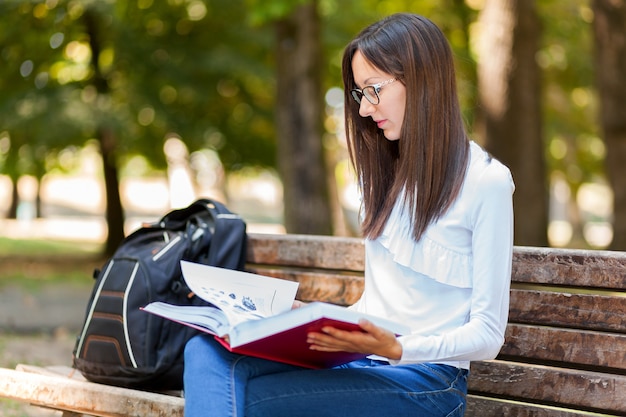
[(114, 112)]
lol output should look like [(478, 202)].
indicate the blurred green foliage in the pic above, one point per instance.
[(203, 71)]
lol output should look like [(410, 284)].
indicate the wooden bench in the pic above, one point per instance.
[(564, 355)]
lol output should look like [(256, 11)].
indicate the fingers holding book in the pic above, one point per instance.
[(371, 339)]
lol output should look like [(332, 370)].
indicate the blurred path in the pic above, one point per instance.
[(48, 309)]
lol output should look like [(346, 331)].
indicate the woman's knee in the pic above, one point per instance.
[(194, 345)]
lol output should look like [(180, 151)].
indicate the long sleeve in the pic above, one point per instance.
[(492, 242), (452, 286)]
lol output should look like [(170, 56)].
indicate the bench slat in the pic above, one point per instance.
[(478, 406), (570, 267), (585, 348), (582, 311), (331, 287), (86, 397), (553, 386), (326, 252)]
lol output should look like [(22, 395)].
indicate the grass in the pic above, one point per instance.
[(30, 247), (30, 263)]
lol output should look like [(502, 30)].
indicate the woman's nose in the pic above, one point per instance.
[(365, 108)]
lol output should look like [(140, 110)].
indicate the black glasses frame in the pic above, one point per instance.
[(370, 92)]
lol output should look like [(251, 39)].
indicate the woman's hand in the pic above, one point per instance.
[(372, 340)]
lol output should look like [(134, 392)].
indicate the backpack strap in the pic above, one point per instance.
[(229, 242), (217, 228)]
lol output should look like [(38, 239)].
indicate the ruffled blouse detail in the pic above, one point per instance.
[(427, 257)]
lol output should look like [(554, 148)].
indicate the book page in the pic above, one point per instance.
[(205, 318), (249, 332), (241, 295)]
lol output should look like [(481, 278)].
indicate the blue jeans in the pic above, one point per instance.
[(220, 383)]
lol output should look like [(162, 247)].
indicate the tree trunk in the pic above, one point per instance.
[(114, 212), (108, 145), (510, 123), (38, 202), (299, 122), (610, 66), (10, 167), (41, 172), (15, 198)]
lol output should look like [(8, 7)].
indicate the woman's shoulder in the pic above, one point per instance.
[(487, 172)]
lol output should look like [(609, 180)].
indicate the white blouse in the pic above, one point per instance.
[(451, 287)]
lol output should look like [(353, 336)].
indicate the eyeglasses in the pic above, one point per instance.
[(370, 92)]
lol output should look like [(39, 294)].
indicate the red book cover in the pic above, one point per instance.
[(290, 346), (251, 314), (282, 337)]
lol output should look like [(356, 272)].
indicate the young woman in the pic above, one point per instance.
[(437, 219)]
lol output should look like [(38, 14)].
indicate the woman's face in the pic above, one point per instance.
[(388, 114)]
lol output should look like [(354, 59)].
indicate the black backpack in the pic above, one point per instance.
[(124, 346)]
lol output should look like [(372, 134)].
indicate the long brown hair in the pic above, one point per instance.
[(429, 160)]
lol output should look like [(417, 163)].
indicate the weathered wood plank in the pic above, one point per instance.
[(573, 267), (583, 347), (326, 252), (56, 371), (335, 288), (478, 406), (549, 385), (86, 397), (582, 311), (71, 414)]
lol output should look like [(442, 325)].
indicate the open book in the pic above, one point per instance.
[(251, 314)]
